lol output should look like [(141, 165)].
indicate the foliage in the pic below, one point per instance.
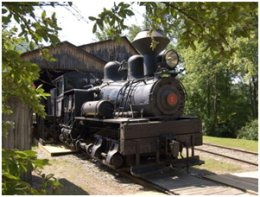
[(106, 34), (222, 104), (133, 31), (244, 144), (190, 22), (33, 29), (112, 21), (244, 62), (249, 131), (15, 164), (18, 76)]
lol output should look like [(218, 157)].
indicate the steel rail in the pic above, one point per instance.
[(225, 156), (229, 148)]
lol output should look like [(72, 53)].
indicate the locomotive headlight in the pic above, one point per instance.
[(171, 58)]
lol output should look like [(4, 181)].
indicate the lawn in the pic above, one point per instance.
[(216, 166), (248, 145)]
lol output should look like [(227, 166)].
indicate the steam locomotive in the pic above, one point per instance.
[(134, 116)]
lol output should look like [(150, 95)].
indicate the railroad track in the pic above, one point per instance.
[(218, 151), (234, 149), (181, 183), (172, 182)]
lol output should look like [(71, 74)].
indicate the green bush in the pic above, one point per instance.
[(249, 131), (15, 164)]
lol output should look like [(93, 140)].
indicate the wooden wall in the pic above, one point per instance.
[(20, 135)]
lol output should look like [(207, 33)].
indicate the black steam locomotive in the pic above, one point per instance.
[(134, 116)]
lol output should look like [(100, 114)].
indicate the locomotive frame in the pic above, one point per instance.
[(141, 138)]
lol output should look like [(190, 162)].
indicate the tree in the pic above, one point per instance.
[(245, 63), (112, 21), (17, 79), (212, 94), (189, 22)]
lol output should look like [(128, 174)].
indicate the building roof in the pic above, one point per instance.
[(68, 57), (89, 57)]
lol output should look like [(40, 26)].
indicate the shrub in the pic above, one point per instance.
[(15, 164), (249, 131)]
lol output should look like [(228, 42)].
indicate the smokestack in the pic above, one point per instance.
[(142, 43)]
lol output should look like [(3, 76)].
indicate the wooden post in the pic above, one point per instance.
[(19, 136)]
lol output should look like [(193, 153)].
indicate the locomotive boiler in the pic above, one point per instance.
[(134, 117)]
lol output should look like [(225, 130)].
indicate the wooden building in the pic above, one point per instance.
[(111, 50), (86, 58)]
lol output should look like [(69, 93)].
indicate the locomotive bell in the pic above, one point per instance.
[(142, 43)]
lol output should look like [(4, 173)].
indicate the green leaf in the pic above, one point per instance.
[(49, 176), (31, 45), (4, 10), (94, 28), (92, 18), (6, 19), (129, 12), (9, 176), (100, 24), (44, 14), (40, 163)]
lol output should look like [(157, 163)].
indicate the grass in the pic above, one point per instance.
[(218, 166), (248, 145)]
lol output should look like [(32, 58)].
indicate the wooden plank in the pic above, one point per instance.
[(18, 135), (244, 183), (182, 183), (56, 149), (208, 190), (212, 190), (177, 182), (230, 191)]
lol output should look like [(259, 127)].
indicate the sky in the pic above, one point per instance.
[(76, 27)]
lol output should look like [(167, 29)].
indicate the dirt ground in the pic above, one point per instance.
[(82, 177)]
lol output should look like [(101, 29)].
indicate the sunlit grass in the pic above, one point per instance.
[(216, 166), (248, 145)]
